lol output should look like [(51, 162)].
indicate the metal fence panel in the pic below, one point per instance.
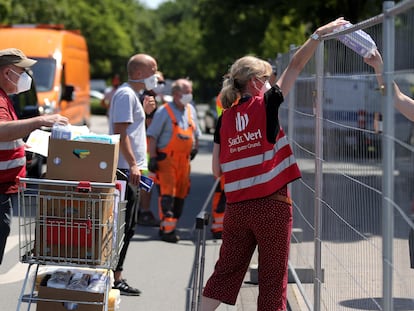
[(353, 171)]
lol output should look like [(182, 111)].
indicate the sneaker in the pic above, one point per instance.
[(170, 237), (147, 219), (125, 289)]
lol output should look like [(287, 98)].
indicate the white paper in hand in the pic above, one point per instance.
[(38, 142)]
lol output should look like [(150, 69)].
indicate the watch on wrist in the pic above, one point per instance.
[(315, 37)]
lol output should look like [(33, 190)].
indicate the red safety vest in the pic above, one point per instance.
[(253, 167), (12, 154)]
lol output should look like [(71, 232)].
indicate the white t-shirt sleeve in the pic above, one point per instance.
[(122, 108)]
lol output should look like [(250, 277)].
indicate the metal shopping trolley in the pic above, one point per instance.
[(74, 225)]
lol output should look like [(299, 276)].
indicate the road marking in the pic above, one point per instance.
[(12, 242), (18, 271), (15, 274)]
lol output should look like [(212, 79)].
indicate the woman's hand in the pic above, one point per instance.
[(375, 61), (330, 27)]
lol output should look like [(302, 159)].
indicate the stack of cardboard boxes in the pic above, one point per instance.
[(73, 223)]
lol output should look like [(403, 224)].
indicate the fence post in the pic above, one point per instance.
[(319, 55), (388, 153), (291, 102)]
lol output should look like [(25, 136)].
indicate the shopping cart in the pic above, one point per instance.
[(70, 224)]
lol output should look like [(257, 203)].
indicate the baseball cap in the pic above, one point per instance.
[(15, 57)]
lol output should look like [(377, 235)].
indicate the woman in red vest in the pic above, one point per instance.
[(252, 152)]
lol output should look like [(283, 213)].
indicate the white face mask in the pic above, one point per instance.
[(23, 83), (150, 82), (265, 87), (159, 88), (186, 98)]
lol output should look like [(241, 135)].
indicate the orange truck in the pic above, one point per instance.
[(61, 73)]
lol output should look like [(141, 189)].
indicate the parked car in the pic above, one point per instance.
[(210, 119), (98, 85), (95, 98), (96, 94)]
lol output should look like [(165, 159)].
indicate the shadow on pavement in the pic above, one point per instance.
[(400, 304)]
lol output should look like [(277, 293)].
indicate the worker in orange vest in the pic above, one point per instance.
[(173, 143)]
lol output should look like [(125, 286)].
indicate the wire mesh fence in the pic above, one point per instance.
[(357, 183)]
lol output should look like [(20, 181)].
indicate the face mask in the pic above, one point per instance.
[(186, 98), (150, 82), (23, 83), (159, 88), (265, 87)]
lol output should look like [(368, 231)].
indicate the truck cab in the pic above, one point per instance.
[(62, 69)]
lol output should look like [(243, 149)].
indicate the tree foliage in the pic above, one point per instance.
[(198, 39)]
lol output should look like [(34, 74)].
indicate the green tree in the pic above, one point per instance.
[(281, 33), (111, 28), (195, 38), (176, 41), (5, 9)]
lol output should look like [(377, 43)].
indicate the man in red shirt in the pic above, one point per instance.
[(14, 80)]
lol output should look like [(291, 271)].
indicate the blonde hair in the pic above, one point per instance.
[(242, 70)]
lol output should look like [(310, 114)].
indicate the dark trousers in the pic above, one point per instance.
[(7, 202), (132, 195)]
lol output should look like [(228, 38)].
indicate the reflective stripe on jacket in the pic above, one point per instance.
[(12, 153), (181, 141), (168, 224), (252, 166)]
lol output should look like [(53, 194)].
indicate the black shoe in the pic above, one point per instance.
[(217, 235), (170, 237), (125, 289), (147, 219)]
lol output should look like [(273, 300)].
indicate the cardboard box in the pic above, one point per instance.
[(67, 201), (75, 227), (94, 247), (75, 298), (80, 160)]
